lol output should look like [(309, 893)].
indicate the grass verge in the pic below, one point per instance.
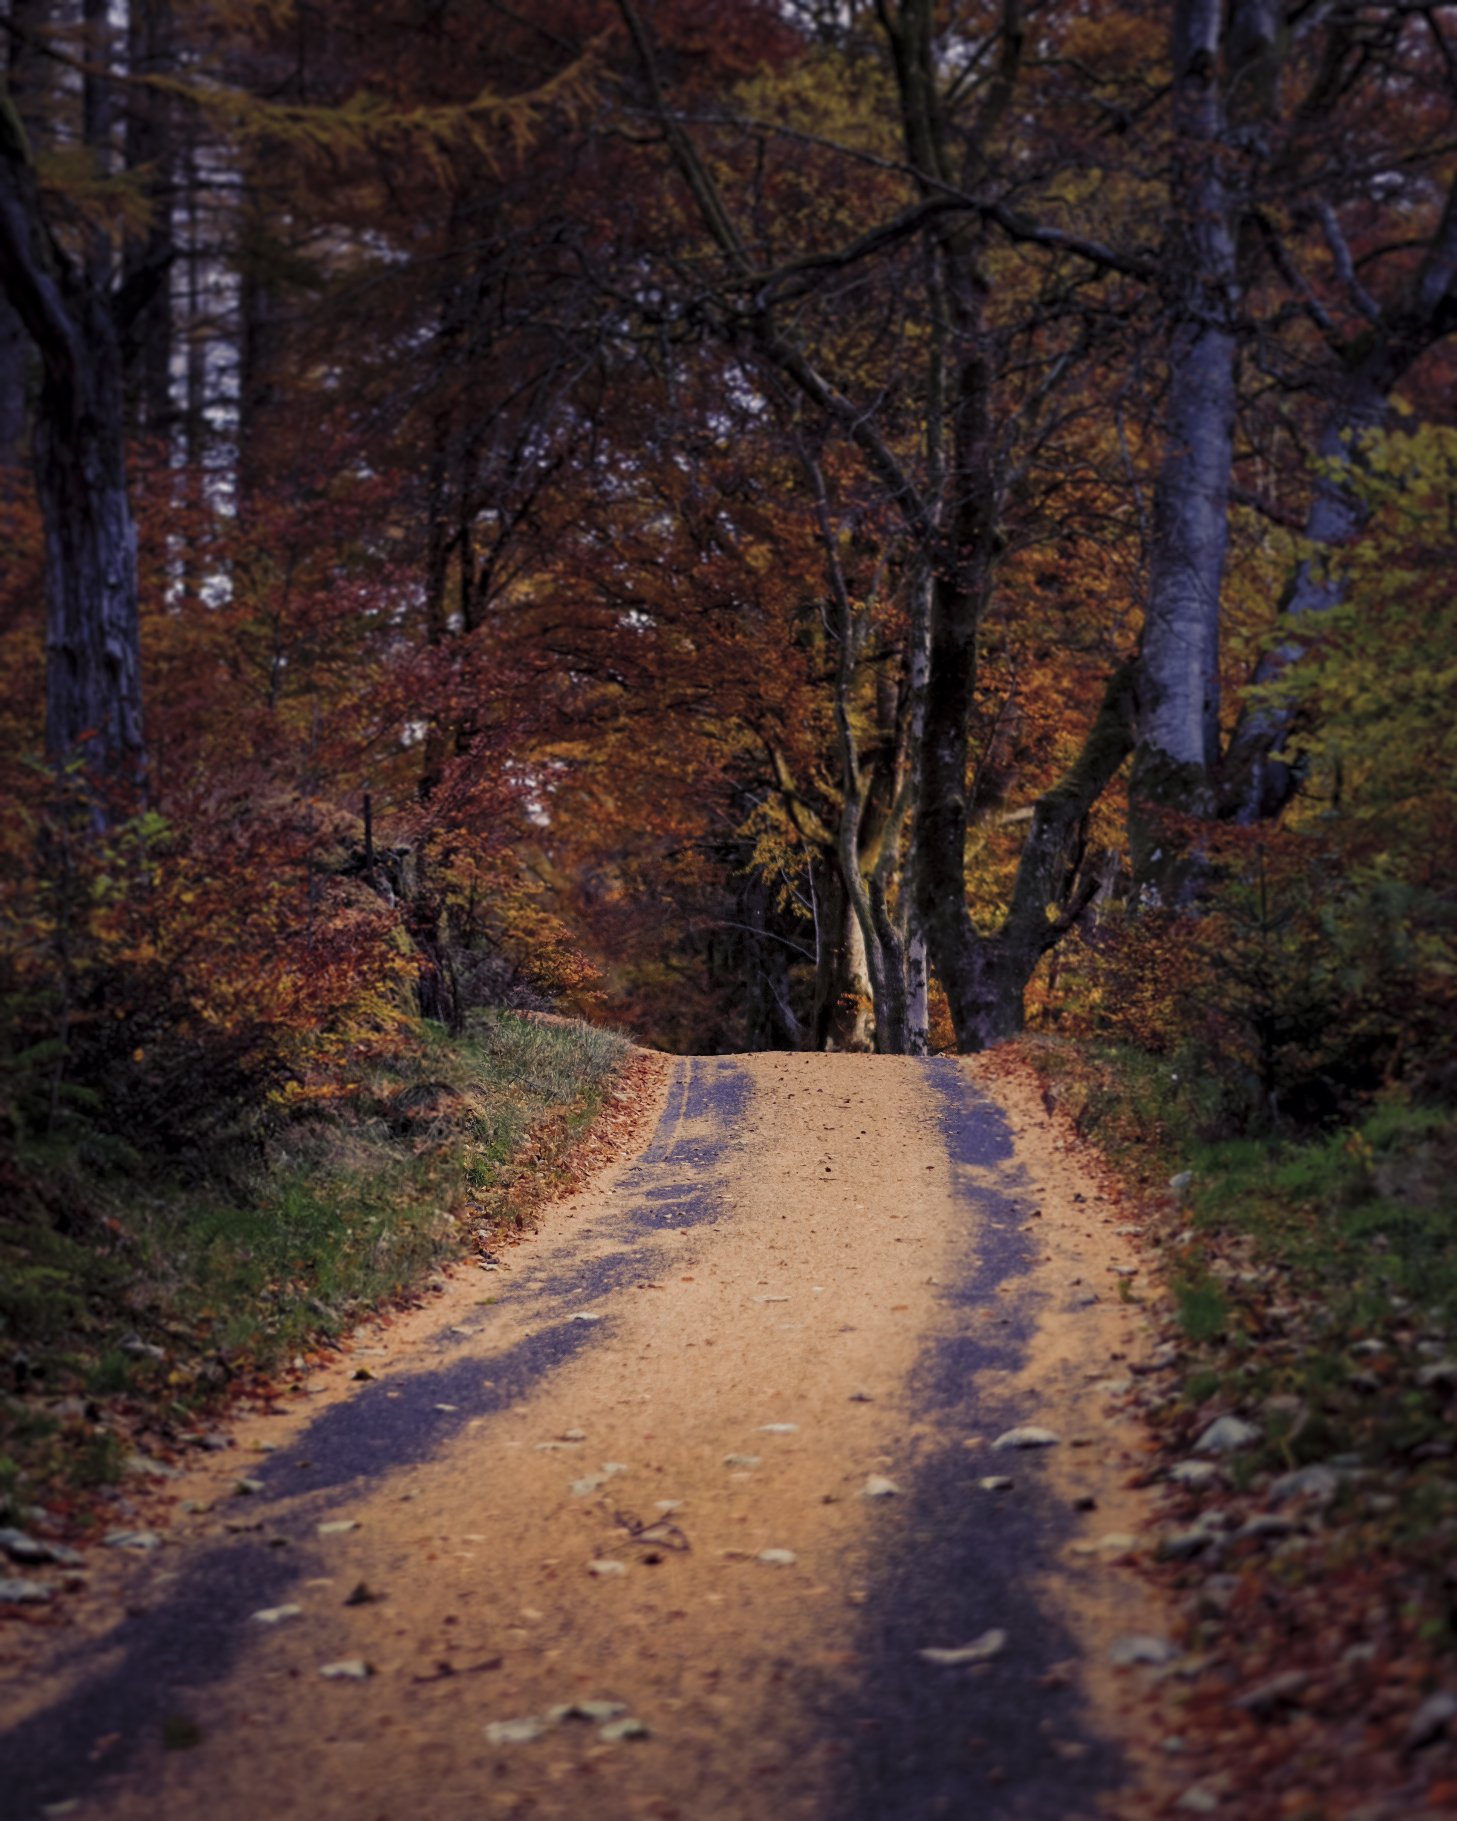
[(1309, 1290), (133, 1304)]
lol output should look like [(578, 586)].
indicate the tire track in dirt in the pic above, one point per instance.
[(822, 1271)]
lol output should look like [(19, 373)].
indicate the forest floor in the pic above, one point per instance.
[(617, 1524)]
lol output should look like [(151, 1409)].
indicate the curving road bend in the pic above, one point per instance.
[(658, 1519)]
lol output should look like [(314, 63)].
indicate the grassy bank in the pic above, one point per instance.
[(136, 1298), (1304, 1284)]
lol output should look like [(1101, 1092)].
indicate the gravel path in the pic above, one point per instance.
[(660, 1518)]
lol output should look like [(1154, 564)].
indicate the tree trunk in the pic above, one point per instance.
[(93, 668), (147, 256), (1179, 708)]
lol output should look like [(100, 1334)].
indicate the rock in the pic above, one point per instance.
[(996, 1482), (246, 1488), (132, 1539), (625, 1728), (582, 1315), (1225, 1434), (337, 1526), (1266, 1527), (1194, 1474), (587, 1710), (514, 1732), (1440, 1372), (771, 1299), (450, 1409), (668, 1504), (22, 1548), (361, 1596), (1183, 1545), (861, 1396), (878, 1487), (779, 1428), (14, 1592), (1431, 1719), (1124, 1652), (1180, 1185), (980, 1650), (137, 1348), (350, 1669), (574, 1435), (1028, 1437), (275, 1615), (364, 1375), (158, 1470), (1277, 1691), (611, 1467), (741, 1460), (1114, 1387), (584, 1488), (777, 1558), (1319, 1483), (1124, 1270), (604, 1570), (1196, 1801), (1117, 1542)]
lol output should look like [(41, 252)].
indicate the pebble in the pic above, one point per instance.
[(350, 1669), (997, 1482), (245, 1488), (1317, 1482), (611, 1467), (1026, 1438), (604, 1569), (14, 1592), (1225, 1434), (668, 1504), (275, 1615), (777, 1558), (771, 1299), (779, 1428), (1183, 1545), (980, 1650), (878, 1487), (582, 1315), (587, 1710), (583, 1488), (514, 1732), (142, 1463), (22, 1548), (861, 1396), (1277, 1691), (1194, 1473), (1440, 1372), (1197, 1801), (625, 1728), (741, 1460), (1431, 1719), (451, 1408), (1124, 1652), (132, 1539), (574, 1435), (1114, 1387), (337, 1526)]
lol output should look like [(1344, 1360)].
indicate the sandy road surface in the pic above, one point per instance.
[(651, 1473)]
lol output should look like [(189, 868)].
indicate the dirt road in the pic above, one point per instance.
[(715, 1449)]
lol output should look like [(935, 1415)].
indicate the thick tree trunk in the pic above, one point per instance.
[(1179, 708), (93, 669)]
